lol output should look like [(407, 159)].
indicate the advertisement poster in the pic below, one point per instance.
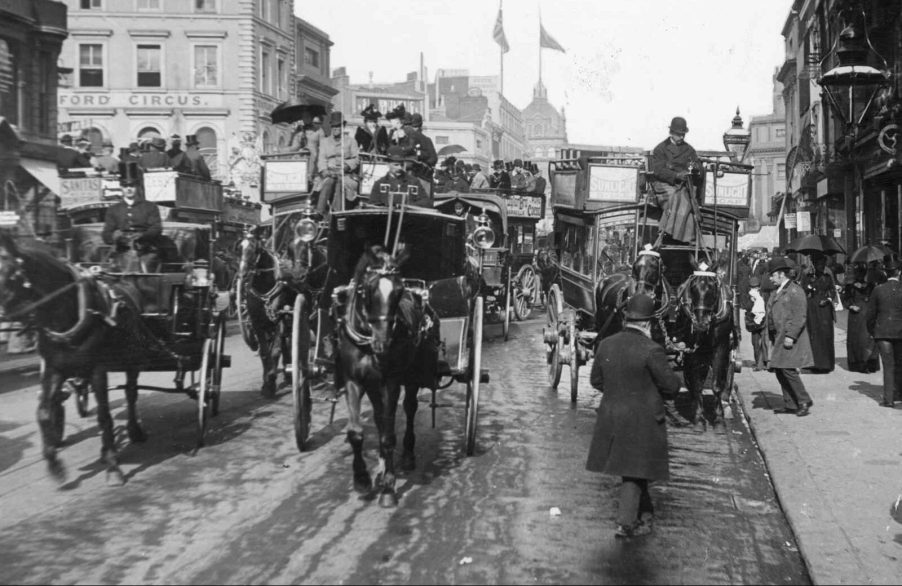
[(613, 184)]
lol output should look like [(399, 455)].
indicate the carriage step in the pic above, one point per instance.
[(484, 375), (226, 360)]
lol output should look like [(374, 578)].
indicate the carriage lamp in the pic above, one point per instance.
[(306, 229), (200, 273), (483, 236), (737, 139)]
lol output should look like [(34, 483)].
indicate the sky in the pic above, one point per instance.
[(629, 66)]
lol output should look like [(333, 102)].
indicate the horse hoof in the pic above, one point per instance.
[(388, 500), (268, 391), (56, 469), (408, 462), (363, 483), (115, 477), (699, 426), (136, 434)]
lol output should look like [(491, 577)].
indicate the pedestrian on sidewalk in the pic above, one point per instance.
[(885, 325), (630, 438), (860, 346), (786, 325), (820, 287), (754, 323)]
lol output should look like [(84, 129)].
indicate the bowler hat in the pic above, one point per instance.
[(191, 140), (778, 263), (398, 112), (371, 113), (498, 164), (477, 167), (416, 120), (158, 142), (107, 142), (66, 139), (640, 307), (129, 173), (678, 125), (892, 265), (449, 161), (518, 162), (398, 154), (336, 119)]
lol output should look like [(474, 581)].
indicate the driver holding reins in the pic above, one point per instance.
[(134, 222), (672, 163)]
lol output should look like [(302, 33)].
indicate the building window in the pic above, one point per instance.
[(45, 88), (277, 12), (206, 139), (205, 5), (264, 10), (150, 73), (96, 137), (148, 4), (311, 57), (9, 104), (265, 77), (281, 70), (442, 140), (90, 65), (206, 66), (780, 132), (781, 171), (478, 144), (89, 4), (149, 132)]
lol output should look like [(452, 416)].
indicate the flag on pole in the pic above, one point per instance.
[(498, 34), (546, 41)]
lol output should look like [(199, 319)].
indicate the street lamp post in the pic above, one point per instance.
[(851, 82), (737, 139)]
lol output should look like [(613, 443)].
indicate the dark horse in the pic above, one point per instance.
[(268, 287), (613, 291), (386, 338), (85, 327), (704, 331)]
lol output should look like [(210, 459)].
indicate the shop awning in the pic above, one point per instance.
[(44, 171)]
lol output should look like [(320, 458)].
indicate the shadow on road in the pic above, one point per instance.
[(871, 391)]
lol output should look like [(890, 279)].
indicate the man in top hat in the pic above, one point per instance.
[(191, 162), (106, 162), (500, 179), (155, 157), (479, 180), (425, 150), (539, 183), (520, 177), (175, 146), (672, 164), (337, 162), (133, 224), (400, 184), (68, 157), (372, 136), (885, 325), (630, 437), (787, 310)]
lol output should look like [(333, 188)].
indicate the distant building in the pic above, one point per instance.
[(546, 128), (313, 62), (767, 152)]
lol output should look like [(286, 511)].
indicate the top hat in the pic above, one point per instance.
[(191, 140), (129, 174), (133, 146), (892, 265), (449, 161), (416, 120), (399, 112), (778, 263), (66, 139), (518, 163), (678, 125), (336, 119), (640, 307), (398, 154), (107, 142), (158, 142), (498, 164), (371, 113)]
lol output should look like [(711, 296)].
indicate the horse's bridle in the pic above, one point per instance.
[(690, 310)]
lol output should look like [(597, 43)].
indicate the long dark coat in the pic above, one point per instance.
[(630, 436), (786, 317), (885, 311), (860, 346), (821, 292)]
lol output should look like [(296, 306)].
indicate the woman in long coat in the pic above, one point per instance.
[(820, 290), (860, 346)]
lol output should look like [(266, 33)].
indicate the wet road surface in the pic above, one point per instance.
[(250, 509)]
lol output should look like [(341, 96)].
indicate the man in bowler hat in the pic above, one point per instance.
[(500, 178), (630, 438), (337, 164), (672, 161), (885, 325), (787, 310)]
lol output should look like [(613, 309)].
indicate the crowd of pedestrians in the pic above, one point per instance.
[(149, 153)]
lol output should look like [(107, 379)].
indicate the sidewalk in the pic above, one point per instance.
[(837, 471)]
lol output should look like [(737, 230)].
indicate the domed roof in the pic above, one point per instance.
[(541, 119)]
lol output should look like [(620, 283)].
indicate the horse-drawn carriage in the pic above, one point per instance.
[(603, 230)]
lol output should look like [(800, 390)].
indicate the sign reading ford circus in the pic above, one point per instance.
[(124, 99)]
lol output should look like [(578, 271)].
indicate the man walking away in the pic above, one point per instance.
[(630, 438), (786, 325), (885, 325)]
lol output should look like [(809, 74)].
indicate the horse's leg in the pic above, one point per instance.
[(108, 453), (354, 394), (694, 382), (384, 415), (408, 456), (270, 349), (49, 417), (135, 433)]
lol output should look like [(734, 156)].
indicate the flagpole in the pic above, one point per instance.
[(501, 51), (540, 45)]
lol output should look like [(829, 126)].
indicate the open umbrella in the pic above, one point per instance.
[(869, 253), (298, 109), (451, 149), (815, 243)]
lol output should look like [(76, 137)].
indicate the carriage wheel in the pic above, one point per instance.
[(205, 389), (527, 287), (244, 319), (506, 327), (475, 374), (574, 360), (553, 341), (219, 350), (300, 381)]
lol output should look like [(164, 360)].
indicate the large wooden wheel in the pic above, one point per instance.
[(553, 340), (475, 374), (210, 384), (244, 320), (300, 371), (219, 335), (525, 291), (506, 324), (573, 348)]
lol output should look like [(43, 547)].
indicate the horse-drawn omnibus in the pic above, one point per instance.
[(604, 227)]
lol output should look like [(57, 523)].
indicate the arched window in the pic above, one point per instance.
[(538, 152), (149, 132), (10, 197), (206, 139), (267, 144), (281, 142), (552, 153)]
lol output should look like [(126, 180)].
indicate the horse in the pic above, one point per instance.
[(85, 328), (268, 287), (387, 338), (704, 332), (548, 269), (612, 292)]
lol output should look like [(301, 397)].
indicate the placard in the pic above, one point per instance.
[(613, 184), (803, 221), (369, 174), (733, 190), (789, 220), (160, 186), (563, 189), (523, 206), (837, 233), (78, 191), (283, 178)]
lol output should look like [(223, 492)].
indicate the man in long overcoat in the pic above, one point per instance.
[(885, 325), (630, 438), (787, 310)]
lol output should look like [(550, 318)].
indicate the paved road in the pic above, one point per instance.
[(250, 509)]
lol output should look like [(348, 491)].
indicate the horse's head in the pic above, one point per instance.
[(13, 281), (647, 271), (379, 292), (248, 250), (701, 300)]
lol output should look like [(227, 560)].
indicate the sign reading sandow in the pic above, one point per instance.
[(126, 99)]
